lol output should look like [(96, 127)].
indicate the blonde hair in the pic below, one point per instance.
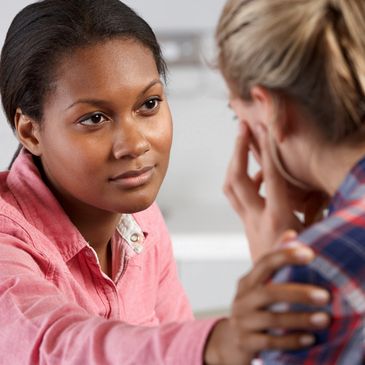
[(312, 51)]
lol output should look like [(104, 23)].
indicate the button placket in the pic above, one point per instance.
[(132, 233)]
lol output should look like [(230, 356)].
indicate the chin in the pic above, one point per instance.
[(136, 205), (136, 208)]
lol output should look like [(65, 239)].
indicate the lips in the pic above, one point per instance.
[(134, 178)]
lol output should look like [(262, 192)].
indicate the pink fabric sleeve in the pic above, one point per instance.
[(39, 325), (172, 302)]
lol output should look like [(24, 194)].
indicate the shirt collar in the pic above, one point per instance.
[(42, 210), (352, 188)]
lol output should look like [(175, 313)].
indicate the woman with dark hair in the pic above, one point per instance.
[(87, 274)]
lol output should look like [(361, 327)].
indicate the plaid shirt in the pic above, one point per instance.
[(339, 243)]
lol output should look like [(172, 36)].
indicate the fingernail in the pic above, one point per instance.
[(320, 296), (306, 340), (319, 319), (288, 236), (303, 253)]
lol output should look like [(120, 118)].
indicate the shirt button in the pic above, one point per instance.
[(138, 248), (134, 237)]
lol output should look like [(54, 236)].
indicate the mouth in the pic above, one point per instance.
[(134, 178)]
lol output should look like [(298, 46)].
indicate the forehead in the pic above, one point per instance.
[(112, 65)]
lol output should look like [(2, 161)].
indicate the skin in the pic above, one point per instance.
[(109, 114)]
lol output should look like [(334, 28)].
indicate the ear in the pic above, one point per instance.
[(27, 131), (271, 111)]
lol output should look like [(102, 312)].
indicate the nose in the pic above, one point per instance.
[(130, 141)]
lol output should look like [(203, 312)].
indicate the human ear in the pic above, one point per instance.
[(27, 131), (271, 111)]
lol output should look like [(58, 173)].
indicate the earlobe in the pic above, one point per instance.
[(27, 131)]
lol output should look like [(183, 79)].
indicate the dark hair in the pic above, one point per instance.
[(45, 31)]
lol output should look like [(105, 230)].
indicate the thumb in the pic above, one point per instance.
[(275, 185)]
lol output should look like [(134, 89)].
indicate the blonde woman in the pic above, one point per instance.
[(296, 74)]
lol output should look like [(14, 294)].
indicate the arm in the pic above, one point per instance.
[(39, 325)]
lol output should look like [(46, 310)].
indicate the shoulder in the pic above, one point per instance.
[(12, 221), (16, 232), (339, 242), (339, 265)]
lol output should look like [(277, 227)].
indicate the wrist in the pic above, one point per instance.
[(213, 347)]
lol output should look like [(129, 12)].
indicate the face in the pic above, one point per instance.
[(285, 146), (106, 135)]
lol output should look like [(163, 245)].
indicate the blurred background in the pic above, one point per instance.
[(209, 243)]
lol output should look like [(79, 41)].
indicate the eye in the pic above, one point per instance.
[(94, 120), (150, 106)]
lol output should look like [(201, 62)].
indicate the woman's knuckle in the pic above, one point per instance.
[(265, 342), (274, 320)]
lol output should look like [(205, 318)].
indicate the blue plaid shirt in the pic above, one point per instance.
[(339, 243)]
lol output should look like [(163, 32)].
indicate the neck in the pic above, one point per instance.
[(332, 165), (97, 227)]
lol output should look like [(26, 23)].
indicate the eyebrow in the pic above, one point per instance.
[(103, 102)]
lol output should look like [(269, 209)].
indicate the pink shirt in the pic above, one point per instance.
[(58, 307)]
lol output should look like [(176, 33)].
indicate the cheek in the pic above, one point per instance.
[(163, 137), (68, 156)]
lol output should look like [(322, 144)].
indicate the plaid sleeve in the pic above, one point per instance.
[(342, 342)]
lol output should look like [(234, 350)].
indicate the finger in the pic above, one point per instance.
[(239, 161), (287, 236), (255, 149), (264, 321), (288, 293), (234, 201), (294, 293), (277, 197), (267, 266), (259, 342), (237, 178), (258, 180)]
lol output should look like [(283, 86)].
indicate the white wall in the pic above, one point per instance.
[(8, 142), (186, 15)]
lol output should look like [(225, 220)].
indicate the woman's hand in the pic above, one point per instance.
[(237, 340), (265, 219)]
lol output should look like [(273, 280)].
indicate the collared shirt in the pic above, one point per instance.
[(58, 307), (339, 266)]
